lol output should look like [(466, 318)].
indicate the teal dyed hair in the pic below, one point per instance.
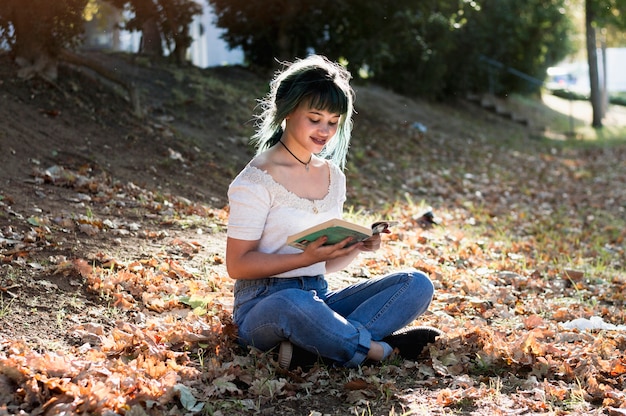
[(325, 85)]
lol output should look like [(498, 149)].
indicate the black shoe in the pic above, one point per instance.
[(291, 357), (409, 342)]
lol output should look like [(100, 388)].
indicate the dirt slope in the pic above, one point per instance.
[(189, 144), (82, 178)]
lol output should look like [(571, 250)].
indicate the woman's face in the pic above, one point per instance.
[(311, 128)]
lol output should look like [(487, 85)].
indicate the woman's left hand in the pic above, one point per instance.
[(371, 244)]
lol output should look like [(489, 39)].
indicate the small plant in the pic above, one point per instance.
[(200, 355), (112, 312), (576, 400), (60, 317), (5, 307)]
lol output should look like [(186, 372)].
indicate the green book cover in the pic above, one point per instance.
[(336, 230)]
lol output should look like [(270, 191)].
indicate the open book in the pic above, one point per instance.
[(336, 230)]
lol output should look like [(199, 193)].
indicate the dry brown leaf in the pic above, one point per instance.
[(357, 384), (533, 321)]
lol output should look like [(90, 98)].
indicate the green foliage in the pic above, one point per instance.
[(435, 48), (608, 12), (429, 48), (618, 98), (273, 29), (419, 43), (171, 17), (527, 36), (51, 25)]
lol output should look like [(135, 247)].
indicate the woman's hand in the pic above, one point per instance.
[(371, 244), (244, 261), (317, 251)]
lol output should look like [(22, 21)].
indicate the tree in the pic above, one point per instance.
[(161, 22), (38, 30), (437, 48), (410, 50), (522, 36), (368, 35), (592, 60), (176, 17), (101, 18), (599, 13), (350, 37), (145, 20), (429, 48), (272, 30)]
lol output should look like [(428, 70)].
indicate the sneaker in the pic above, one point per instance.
[(291, 357), (409, 342), (285, 353)]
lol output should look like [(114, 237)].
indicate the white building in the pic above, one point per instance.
[(207, 48), (616, 69)]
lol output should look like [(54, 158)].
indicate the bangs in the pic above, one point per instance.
[(327, 96), (317, 84)]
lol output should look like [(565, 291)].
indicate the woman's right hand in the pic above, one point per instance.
[(245, 261), (317, 251)]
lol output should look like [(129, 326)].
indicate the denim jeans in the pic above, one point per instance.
[(338, 325)]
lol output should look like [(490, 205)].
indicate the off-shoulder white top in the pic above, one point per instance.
[(262, 209)]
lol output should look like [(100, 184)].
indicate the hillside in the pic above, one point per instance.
[(113, 293)]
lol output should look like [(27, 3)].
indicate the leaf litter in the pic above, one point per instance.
[(521, 243)]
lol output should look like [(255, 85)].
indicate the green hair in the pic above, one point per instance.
[(325, 85)]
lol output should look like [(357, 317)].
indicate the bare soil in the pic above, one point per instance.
[(81, 129)]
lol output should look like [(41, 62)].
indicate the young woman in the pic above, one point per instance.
[(294, 182)]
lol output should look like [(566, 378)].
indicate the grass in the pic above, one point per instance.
[(5, 307), (576, 132), (586, 238), (616, 98), (61, 317)]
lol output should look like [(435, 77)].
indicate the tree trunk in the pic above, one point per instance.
[(118, 18), (180, 49), (284, 39), (592, 60), (151, 38), (182, 43), (32, 52), (605, 84)]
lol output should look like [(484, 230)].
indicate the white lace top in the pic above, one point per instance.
[(262, 209)]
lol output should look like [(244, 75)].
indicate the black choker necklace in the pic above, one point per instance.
[(306, 164)]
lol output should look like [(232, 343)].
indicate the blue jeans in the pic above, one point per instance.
[(338, 325)]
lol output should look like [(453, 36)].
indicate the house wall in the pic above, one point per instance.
[(208, 49), (616, 69)]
